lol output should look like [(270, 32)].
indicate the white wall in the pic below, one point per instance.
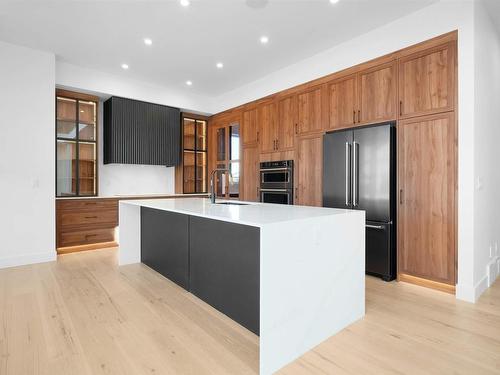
[(27, 161), (434, 20), (126, 179), (487, 149)]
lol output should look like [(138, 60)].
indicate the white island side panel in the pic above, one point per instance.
[(312, 284)]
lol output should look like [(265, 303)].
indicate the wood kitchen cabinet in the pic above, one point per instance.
[(342, 102), (309, 170), (268, 130), (427, 81), (377, 89), (310, 110), (427, 183), (287, 122), (250, 129), (249, 188)]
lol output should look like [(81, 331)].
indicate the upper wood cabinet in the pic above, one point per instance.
[(249, 187), (377, 94), (309, 170), (249, 130), (427, 81), (342, 102), (427, 180), (268, 131), (310, 110), (287, 122)]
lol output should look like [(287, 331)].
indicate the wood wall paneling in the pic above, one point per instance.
[(268, 130), (427, 189)]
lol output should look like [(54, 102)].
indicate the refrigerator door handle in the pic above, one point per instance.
[(347, 172), (374, 226), (355, 176)]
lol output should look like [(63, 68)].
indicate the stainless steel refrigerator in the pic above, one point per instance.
[(359, 173)]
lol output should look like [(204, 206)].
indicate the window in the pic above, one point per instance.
[(76, 145), (194, 155), (228, 156)]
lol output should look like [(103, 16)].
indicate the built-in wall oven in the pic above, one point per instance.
[(276, 182)]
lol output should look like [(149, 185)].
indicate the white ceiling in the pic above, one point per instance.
[(188, 41)]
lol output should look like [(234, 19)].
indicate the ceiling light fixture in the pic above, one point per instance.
[(334, 1), (185, 3), (148, 41), (219, 65), (189, 83), (264, 39), (124, 66)]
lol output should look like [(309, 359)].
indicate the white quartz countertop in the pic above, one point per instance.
[(254, 214)]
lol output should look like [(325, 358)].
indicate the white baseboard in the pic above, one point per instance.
[(471, 293), (22, 260), (492, 271)]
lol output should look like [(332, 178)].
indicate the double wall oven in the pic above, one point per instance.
[(276, 182)]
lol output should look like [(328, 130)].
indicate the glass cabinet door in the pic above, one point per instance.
[(66, 168), (189, 172), (87, 121), (194, 155), (87, 168), (66, 118)]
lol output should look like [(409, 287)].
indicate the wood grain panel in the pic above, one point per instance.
[(89, 217), (249, 129), (87, 236), (309, 170), (427, 196), (310, 111), (287, 122), (249, 186), (427, 81), (342, 102), (378, 94)]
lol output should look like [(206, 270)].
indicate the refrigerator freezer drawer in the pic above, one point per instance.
[(380, 251)]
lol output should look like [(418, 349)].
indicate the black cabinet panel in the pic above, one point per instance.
[(164, 244), (137, 132), (225, 268)]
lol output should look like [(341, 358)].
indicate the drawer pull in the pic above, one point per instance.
[(90, 203), (90, 217), (90, 235)]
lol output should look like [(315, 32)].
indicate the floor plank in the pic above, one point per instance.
[(84, 315)]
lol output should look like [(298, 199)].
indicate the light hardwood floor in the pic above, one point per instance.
[(84, 315)]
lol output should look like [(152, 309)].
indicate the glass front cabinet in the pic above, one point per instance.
[(194, 155), (76, 146)]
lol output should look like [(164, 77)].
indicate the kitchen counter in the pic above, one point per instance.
[(139, 196), (293, 275), (246, 213)]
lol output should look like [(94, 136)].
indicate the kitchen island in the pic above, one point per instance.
[(293, 275)]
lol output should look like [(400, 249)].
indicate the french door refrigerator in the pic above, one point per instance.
[(359, 173)]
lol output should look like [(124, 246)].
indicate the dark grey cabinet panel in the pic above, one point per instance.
[(137, 132), (164, 244), (225, 268)]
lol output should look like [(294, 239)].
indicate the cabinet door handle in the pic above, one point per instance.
[(400, 196), (296, 129), (257, 136), (401, 108), (274, 144), (90, 235), (296, 193), (353, 117), (359, 116), (90, 203), (90, 217), (277, 144)]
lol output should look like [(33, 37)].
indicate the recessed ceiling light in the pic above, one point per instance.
[(124, 66), (334, 1), (219, 65), (148, 41), (189, 83), (185, 3), (264, 39)]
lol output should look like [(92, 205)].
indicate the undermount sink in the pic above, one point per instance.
[(233, 203)]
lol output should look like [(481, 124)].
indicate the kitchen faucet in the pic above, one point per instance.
[(212, 186)]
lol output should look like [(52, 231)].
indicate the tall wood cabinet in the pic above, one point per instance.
[(427, 182), (249, 187), (309, 170)]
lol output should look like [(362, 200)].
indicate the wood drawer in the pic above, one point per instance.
[(90, 217), (84, 237), (87, 204)]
